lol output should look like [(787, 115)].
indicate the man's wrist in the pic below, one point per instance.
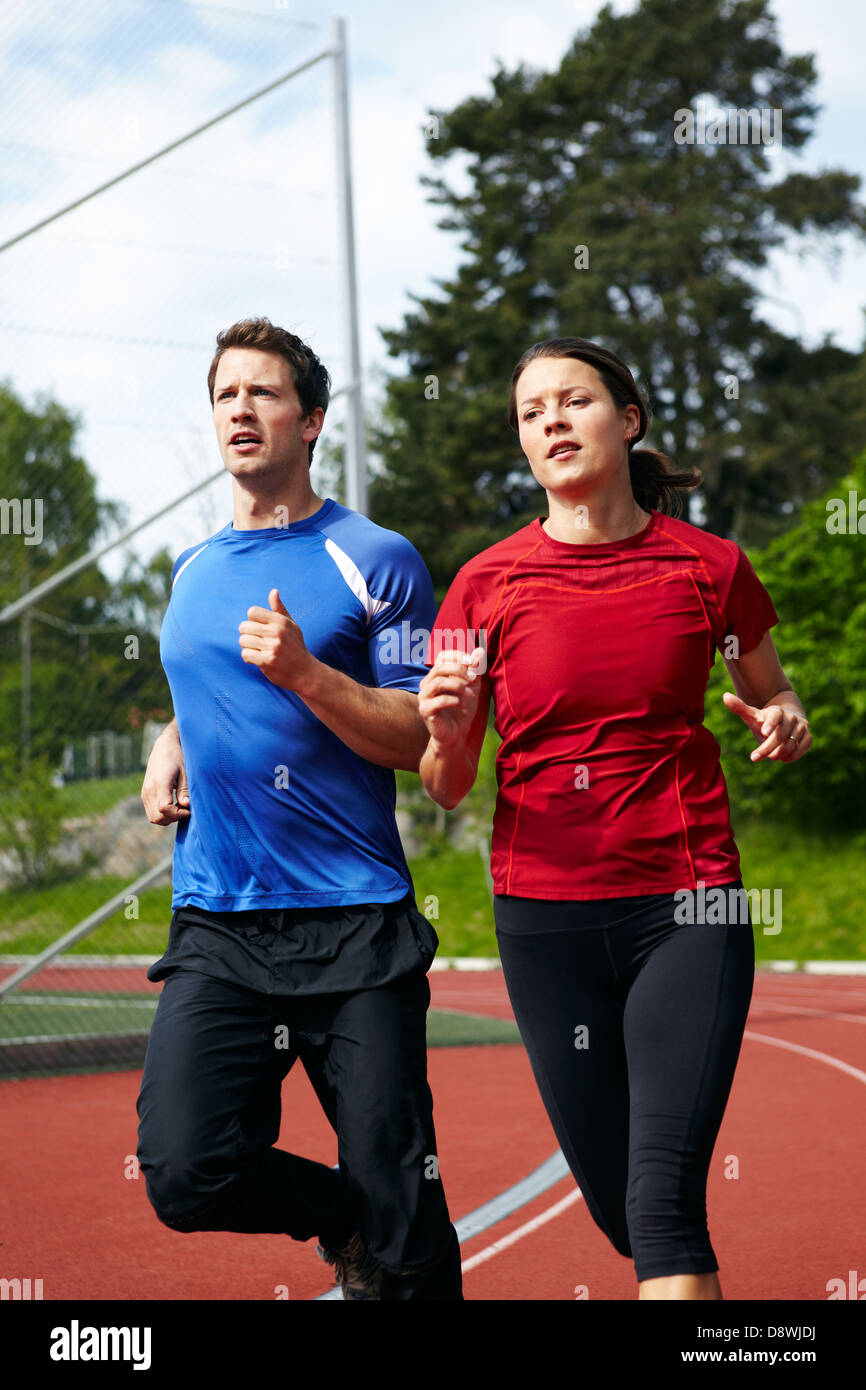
[(309, 683)]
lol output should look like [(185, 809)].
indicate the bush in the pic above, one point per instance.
[(30, 821), (817, 581)]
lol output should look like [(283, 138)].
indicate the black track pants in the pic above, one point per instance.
[(210, 1107)]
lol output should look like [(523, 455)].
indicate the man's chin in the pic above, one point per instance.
[(250, 466)]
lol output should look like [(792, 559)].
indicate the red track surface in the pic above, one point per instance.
[(791, 1221)]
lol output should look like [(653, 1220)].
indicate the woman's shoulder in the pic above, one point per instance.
[(489, 565), (716, 555)]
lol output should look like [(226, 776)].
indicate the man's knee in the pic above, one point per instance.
[(186, 1190)]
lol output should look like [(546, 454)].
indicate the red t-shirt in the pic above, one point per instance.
[(598, 658)]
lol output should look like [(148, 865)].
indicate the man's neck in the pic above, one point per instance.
[(255, 511)]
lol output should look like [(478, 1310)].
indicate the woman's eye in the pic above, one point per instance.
[(575, 400)]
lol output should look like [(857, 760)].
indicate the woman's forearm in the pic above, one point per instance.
[(447, 773)]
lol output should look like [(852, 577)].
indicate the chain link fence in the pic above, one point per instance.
[(196, 185)]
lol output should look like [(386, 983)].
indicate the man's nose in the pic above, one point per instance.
[(243, 406)]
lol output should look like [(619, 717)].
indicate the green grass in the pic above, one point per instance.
[(93, 797), (821, 875), (453, 884), (467, 1030), (822, 878), (30, 919), (21, 1017)]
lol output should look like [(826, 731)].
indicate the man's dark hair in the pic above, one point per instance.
[(311, 378)]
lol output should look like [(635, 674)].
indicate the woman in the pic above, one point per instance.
[(597, 631)]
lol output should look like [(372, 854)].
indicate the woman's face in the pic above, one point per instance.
[(572, 433)]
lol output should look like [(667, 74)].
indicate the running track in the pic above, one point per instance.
[(791, 1221)]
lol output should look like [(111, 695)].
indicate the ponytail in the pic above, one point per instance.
[(656, 480)]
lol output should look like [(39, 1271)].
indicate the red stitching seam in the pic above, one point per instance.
[(515, 592), (683, 815)]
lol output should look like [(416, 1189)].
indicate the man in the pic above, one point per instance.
[(294, 931)]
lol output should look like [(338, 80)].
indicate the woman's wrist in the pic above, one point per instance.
[(446, 771)]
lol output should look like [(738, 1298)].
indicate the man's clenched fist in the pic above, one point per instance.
[(272, 640)]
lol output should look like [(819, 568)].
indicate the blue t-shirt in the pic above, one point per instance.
[(283, 813)]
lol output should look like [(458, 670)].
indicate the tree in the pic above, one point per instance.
[(585, 216), (81, 679), (817, 580)]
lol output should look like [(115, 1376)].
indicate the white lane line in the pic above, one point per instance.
[(68, 1037), (524, 1230), (809, 984), (814, 996), (64, 1002), (808, 1052), (835, 967), (552, 1171), (797, 1009), (520, 1194), (567, 1201)]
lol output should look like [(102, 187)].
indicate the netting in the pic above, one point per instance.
[(108, 316)]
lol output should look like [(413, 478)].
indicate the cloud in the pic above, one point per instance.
[(243, 220)]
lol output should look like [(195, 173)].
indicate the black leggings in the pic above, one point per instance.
[(632, 1022)]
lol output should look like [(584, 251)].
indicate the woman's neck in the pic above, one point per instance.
[(595, 521)]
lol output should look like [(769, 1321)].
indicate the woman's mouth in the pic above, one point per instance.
[(563, 450)]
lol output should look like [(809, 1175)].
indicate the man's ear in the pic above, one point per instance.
[(313, 424)]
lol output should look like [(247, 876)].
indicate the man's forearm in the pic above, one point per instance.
[(383, 726)]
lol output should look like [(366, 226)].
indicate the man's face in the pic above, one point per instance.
[(261, 429)]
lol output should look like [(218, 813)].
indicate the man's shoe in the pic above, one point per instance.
[(355, 1270)]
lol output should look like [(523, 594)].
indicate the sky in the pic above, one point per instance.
[(113, 309)]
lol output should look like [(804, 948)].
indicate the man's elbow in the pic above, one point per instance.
[(412, 763)]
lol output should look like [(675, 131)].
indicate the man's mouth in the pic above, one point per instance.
[(244, 440)]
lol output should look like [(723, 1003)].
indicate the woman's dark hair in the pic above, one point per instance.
[(655, 479)]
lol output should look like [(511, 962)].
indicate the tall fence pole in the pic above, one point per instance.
[(356, 464)]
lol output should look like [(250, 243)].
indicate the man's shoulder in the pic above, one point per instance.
[(189, 554), (367, 543)]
